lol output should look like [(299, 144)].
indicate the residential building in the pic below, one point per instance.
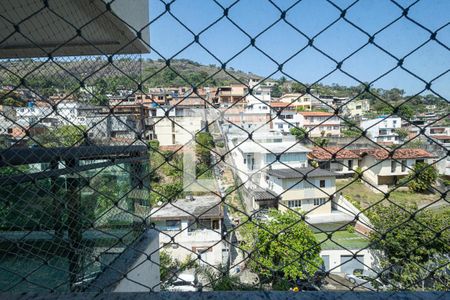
[(310, 194), (190, 227), (284, 116), (177, 122), (320, 124), (253, 156), (233, 94), (261, 91), (382, 171), (341, 161), (383, 129), (303, 102), (7, 118), (253, 116), (356, 108)]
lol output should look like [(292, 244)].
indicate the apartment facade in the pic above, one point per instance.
[(295, 192), (181, 235), (356, 108), (320, 124), (383, 129), (303, 102)]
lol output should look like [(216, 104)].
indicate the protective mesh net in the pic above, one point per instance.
[(123, 173)]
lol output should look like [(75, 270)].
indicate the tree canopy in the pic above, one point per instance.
[(422, 177), (411, 245), (283, 246)]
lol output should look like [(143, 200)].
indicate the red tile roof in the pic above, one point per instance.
[(398, 154), (280, 104), (316, 114), (171, 148), (325, 153), (441, 137)]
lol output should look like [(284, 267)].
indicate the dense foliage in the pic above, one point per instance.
[(204, 145), (64, 136), (283, 247), (422, 177), (413, 247)]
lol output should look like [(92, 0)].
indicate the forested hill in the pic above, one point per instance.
[(65, 74), (154, 73)]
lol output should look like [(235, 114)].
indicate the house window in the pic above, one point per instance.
[(350, 164), (173, 225), (403, 165), (294, 203), (420, 161), (393, 166), (280, 126), (215, 224), (322, 183), (319, 201), (205, 224)]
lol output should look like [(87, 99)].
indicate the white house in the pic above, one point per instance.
[(383, 171), (341, 161), (261, 91), (195, 224), (253, 156), (285, 116), (383, 129), (319, 123)]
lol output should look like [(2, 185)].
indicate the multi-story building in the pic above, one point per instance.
[(261, 91), (192, 227), (179, 121), (233, 94), (284, 116), (319, 123), (356, 108), (383, 129), (312, 194), (302, 102), (253, 156)]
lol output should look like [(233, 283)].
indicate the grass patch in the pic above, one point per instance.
[(342, 240), (364, 197)]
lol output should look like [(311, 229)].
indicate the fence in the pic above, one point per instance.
[(123, 171)]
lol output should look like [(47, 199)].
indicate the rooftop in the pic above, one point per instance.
[(300, 172), (200, 207), (326, 153), (261, 194), (316, 114), (397, 153)]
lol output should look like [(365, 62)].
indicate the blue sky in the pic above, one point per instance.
[(280, 42)]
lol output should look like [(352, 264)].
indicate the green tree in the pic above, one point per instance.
[(402, 133), (299, 132), (409, 244), (64, 136), (219, 279), (321, 141), (298, 88), (406, 111), (204, 144), (283, 247), (422, 177)]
